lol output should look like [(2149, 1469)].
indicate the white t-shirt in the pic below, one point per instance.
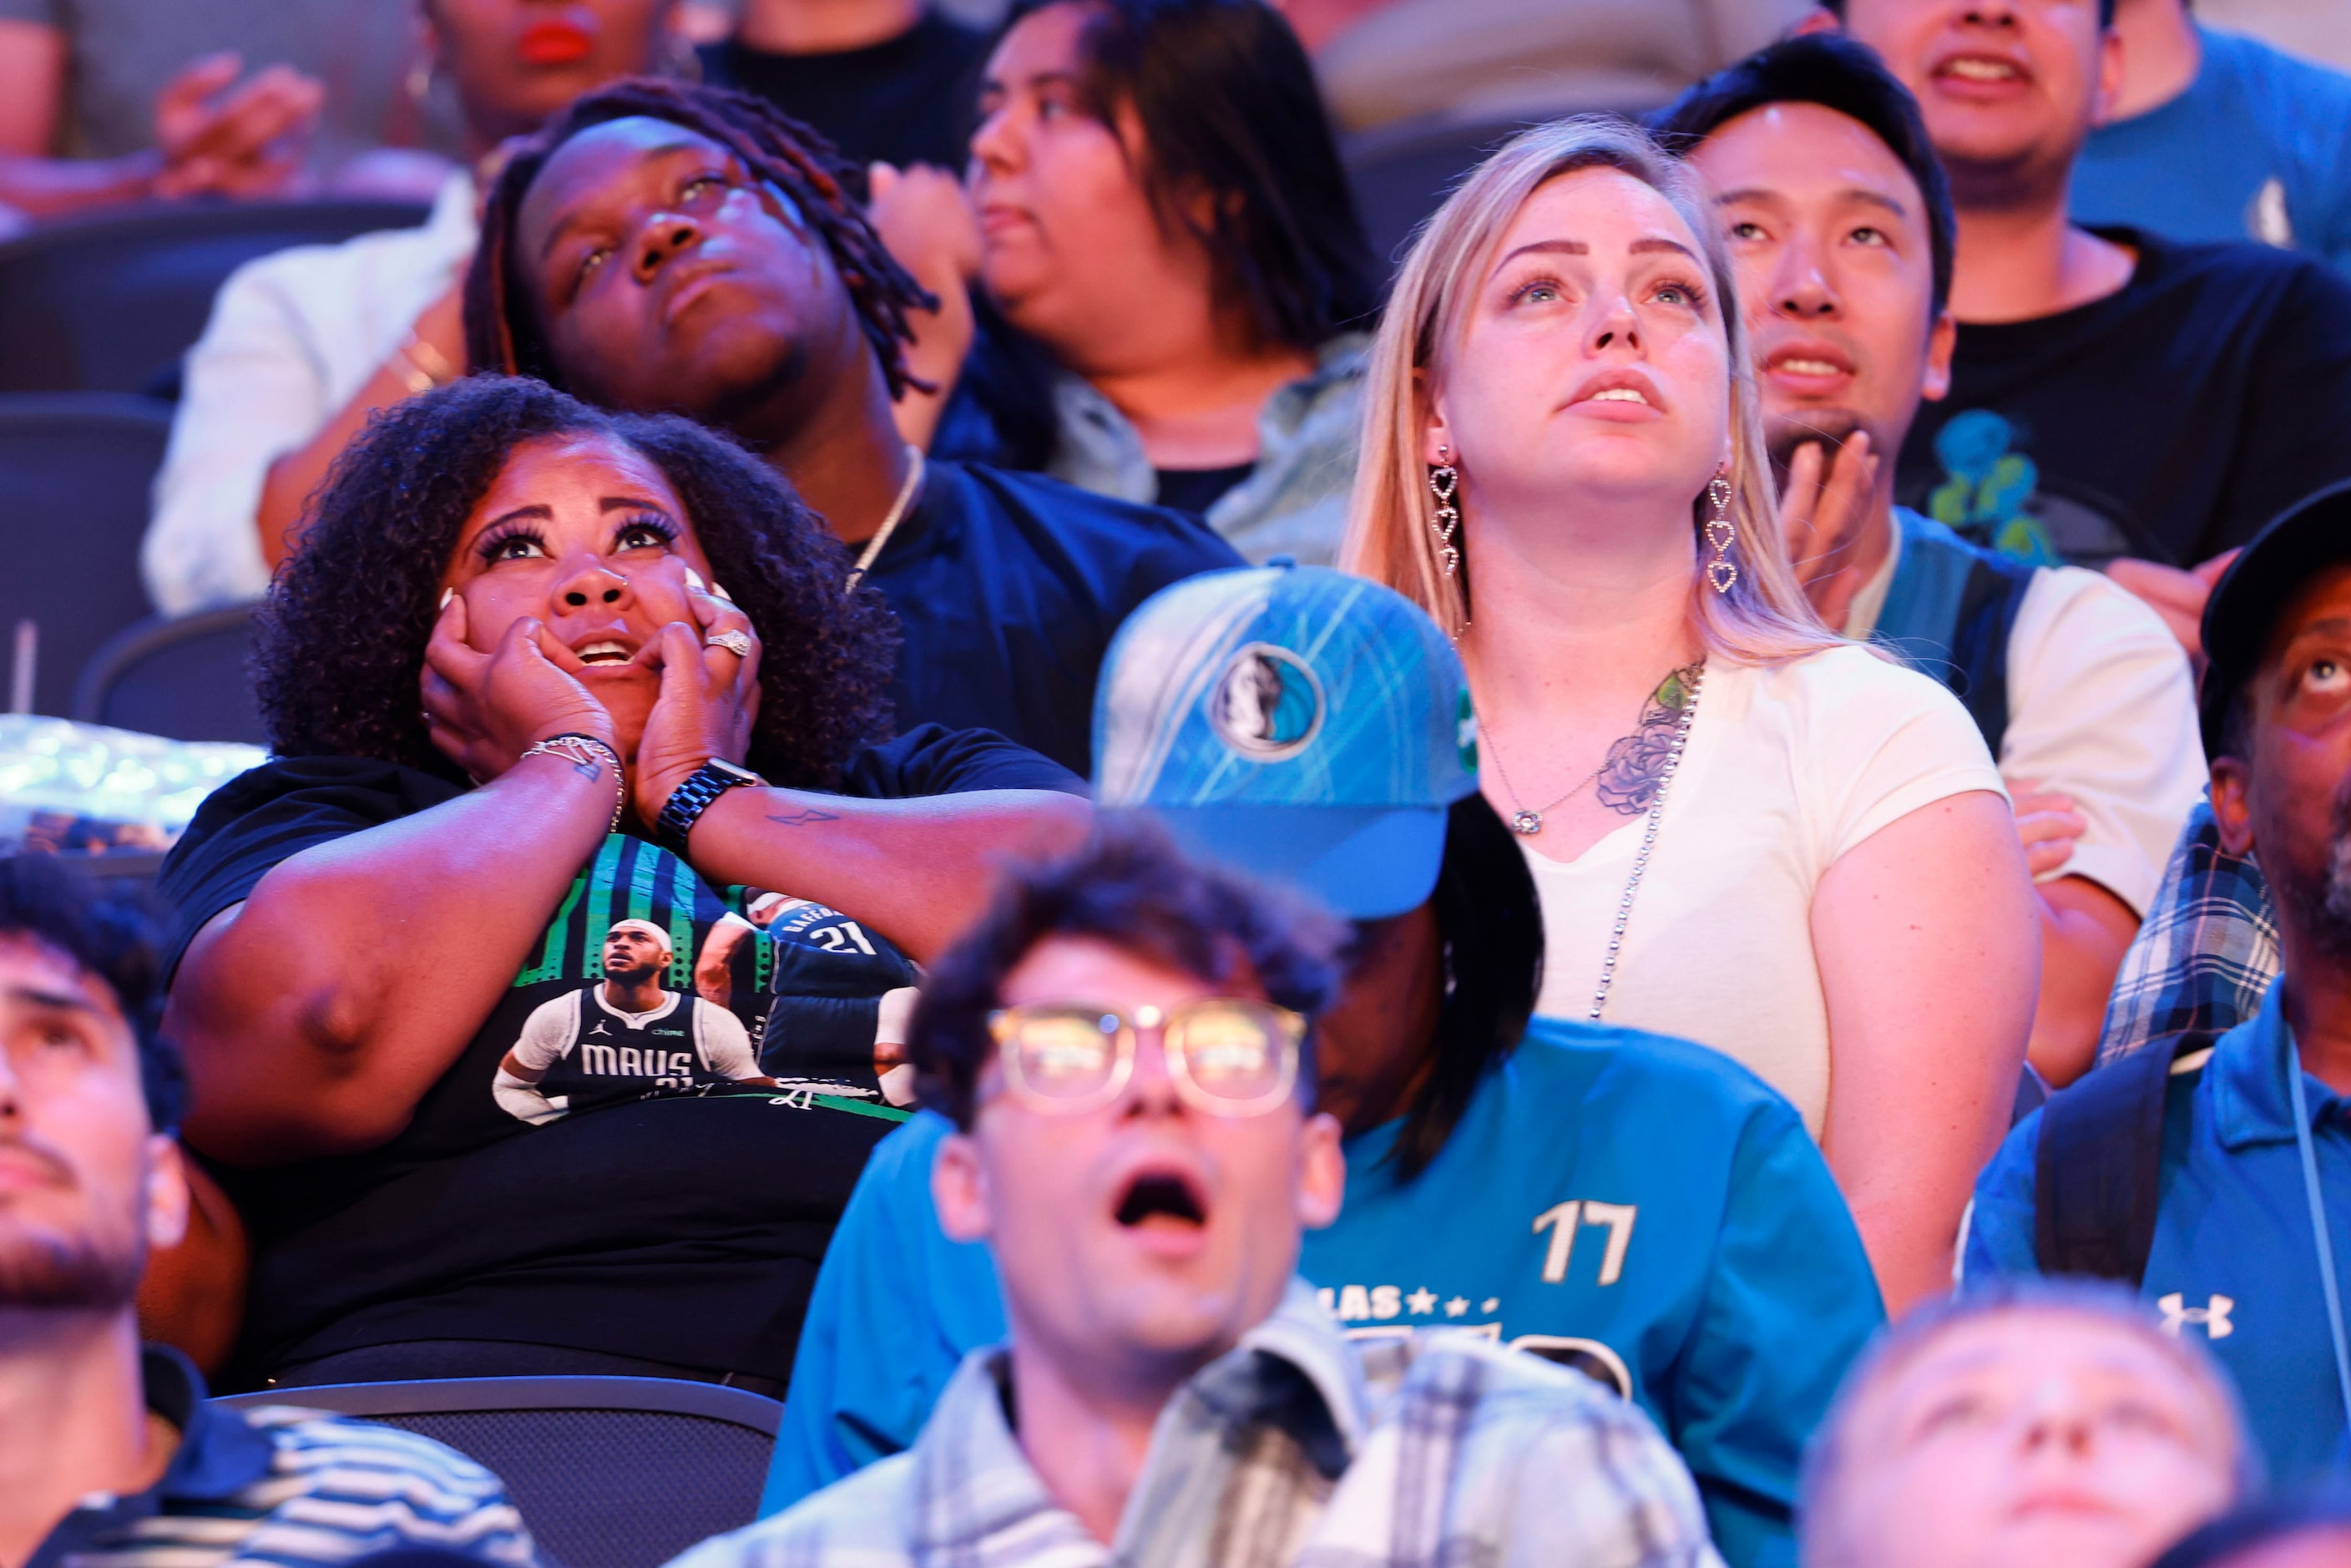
[(2102, 708), (293, 337), (1787, 767)]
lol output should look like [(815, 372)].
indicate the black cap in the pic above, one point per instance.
[(2303, 541)]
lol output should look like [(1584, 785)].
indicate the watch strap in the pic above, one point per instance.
[(691, 799)]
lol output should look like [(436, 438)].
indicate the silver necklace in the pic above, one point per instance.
[(1648, 843), (1526, 823), (897, 511)]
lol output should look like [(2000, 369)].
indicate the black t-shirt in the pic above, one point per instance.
[(1193, 490), (2170, 419), (588, 1173), (1007, 588), (904, 101)]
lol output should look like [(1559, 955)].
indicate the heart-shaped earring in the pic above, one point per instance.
[(1444, 482), (1721, 533)]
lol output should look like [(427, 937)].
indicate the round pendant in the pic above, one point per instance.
[(1527, 824)]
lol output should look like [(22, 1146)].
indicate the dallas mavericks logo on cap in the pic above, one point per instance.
[(1266, 705), (1295, 721)]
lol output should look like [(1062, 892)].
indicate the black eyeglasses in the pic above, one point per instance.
[(1227, 1056)]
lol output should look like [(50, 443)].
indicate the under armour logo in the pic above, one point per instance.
[(2213, 1316)]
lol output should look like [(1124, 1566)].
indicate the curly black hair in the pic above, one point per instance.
[(338, 645), (503, 333)]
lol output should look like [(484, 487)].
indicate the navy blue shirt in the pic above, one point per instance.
[(1008, 587), (2169, 420), (284, 1486), (2235, 1262)]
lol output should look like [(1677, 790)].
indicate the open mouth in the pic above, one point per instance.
[(1620, 395), (605, 652), (1159, 1199), (1981, 70), (1801, 363)]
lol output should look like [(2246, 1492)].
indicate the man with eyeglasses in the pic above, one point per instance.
[(1641, 1209), (1119, 1046)]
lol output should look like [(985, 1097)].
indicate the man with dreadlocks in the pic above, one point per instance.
[(690, 250)]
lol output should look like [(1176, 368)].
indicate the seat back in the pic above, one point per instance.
[(74, 468), (610, 1472), (109, 303), (183, 678)]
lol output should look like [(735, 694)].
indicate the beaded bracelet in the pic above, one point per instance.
[(579, 750)]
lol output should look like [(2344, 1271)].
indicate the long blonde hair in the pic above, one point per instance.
[(1765, 617)]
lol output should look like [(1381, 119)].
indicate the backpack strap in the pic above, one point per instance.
[(2098, 1166), (1950, 611), (1978, 673)]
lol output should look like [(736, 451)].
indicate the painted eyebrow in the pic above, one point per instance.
[(545, 514), (1645, 246), (626, 504)]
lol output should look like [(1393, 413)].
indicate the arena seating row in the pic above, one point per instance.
[(612, 1472)]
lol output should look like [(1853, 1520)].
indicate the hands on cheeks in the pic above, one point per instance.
[(709, 695), (484, 710)]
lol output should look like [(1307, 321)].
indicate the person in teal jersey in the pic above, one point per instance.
[(1638, 1207), (2215, 136), (2235, 1221)]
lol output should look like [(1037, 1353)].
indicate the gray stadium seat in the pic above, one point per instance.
[(109, 302), (610, 1472), (75, 469), (183, 678)]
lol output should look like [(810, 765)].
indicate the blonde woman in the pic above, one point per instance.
[(1745, 832)]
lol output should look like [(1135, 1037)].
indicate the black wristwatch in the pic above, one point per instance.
[(690, 799)]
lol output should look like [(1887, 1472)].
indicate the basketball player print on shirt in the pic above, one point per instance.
[(624, 1033)]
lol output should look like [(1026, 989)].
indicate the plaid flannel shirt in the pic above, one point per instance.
[(2204, 955), (1296, 1450)]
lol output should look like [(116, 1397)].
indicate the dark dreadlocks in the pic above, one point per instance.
[(340, 645), (502, 334)]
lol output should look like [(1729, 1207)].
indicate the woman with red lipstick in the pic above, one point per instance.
[(513, 712), (304, 345), (1744, 833)]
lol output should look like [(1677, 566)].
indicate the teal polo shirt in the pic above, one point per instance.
[(2234, 1264), (1637, 1207)]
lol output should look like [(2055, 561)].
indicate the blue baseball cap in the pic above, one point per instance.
[(1296, 723)]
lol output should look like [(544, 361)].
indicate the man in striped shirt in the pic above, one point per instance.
[(110, 1453)]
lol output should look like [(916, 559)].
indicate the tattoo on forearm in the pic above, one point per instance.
[(1637, 763), (801, 819)]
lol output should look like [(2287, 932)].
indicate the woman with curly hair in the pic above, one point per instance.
[(689, 250), (468, 977)]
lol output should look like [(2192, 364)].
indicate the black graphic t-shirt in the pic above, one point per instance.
[(644, 1149), (2169, 421)]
